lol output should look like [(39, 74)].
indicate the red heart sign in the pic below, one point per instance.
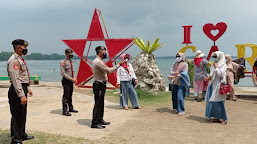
[(207, 28)]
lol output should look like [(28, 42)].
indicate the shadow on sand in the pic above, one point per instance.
[(166, 110), (86, 122), (113, 107), (58, 111), (199, 119)]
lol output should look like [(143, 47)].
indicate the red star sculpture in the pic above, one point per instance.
[(115, 48)]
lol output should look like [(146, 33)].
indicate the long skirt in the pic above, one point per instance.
[(199, 85), (178, 96), (214, 109), (127, 90), (230, 81)]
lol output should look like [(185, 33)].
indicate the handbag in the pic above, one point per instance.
[(225, 88), (134, 82), (206, 81)]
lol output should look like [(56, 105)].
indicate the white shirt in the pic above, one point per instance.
[(218, 75), (122, 74)]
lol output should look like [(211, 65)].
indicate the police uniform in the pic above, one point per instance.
[(19, 78), (100, 70), (67, 74)]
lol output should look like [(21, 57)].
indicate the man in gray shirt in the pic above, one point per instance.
[(100, 70), (18, 74)]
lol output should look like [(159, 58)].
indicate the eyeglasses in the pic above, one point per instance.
[(214, 56), (177, 56)]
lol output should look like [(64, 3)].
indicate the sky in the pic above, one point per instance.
[(44, 23)]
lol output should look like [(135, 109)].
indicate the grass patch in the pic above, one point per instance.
[(153, 98), (44, 138), (112, 95), (145, 98)]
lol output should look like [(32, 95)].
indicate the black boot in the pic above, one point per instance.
[(66, 113)]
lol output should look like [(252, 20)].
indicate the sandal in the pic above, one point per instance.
[(234, 98), (214, 120), (126, 108), (223, 122), (138, 107)]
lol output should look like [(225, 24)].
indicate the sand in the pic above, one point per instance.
[(148, 125), (45, 113)]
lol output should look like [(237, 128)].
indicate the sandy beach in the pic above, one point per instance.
[(151, 124)]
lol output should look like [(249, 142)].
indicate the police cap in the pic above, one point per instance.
[(100, 48), (68, 50), (20, 42)]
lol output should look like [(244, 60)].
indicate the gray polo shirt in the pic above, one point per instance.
[(66, 69), (100, 69), (17, 73)]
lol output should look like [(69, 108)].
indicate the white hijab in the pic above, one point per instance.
[(218, 76), (221, 57), (221, 62)]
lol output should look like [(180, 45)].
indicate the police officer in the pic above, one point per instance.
[(100, 70), (67, 83), (19, 78)]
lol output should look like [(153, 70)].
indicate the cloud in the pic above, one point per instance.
[(46, 22)]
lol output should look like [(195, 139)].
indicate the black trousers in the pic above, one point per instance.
[(67, 95), (98, 111), (19, 114)]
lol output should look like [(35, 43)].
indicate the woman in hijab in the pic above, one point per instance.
[(200, 74), (179, 76), (232, 67), (215, 102), (125, 74)]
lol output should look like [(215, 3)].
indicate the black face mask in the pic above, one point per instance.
[(24, 51), (104, 55), (71, 56)]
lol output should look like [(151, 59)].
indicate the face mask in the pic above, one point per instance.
[(226, 60), (104, 55), (178, 59), (71, 56), (24, 51), (215, 59), (126, 60)]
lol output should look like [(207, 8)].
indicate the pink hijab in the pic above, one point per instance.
[(125, 64), (178, 66), (228, 56)]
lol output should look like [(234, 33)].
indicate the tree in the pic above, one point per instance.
[(4, 56)]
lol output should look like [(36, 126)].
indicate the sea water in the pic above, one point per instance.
[(49, 70)]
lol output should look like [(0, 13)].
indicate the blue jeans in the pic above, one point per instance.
[(127, 90), (178, 96)]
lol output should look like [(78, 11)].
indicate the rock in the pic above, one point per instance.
[(148, 73)]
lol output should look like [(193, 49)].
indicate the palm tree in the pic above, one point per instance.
[(146, 69)]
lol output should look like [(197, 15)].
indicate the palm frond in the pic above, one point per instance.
[(149, 48)]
